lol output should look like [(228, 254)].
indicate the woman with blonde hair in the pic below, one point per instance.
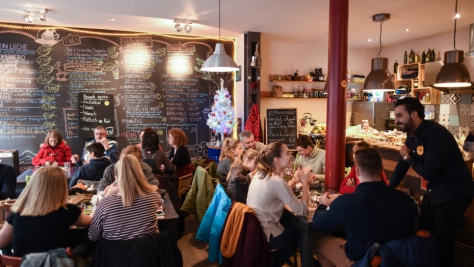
[(53, 151), (240, 173), (230, 149), (179, 154), (269, 193), (129, 209), (109, 174), (41, 217)]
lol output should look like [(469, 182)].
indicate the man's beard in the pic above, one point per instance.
[(407, 126)]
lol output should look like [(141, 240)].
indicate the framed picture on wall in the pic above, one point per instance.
[(238, 74)]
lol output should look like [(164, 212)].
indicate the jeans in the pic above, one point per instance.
[(290, 236), (443, 220)]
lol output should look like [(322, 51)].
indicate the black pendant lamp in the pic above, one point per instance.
[(453, 74), (219, 61), (379, 78)]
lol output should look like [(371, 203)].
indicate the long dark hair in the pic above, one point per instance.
[(150, 142), (266, 157)]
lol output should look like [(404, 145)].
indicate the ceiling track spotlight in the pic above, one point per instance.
[(187, 27), (31, 16)]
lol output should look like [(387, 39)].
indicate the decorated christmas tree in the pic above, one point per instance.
[(221, 117)]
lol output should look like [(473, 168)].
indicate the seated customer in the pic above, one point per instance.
[(100, 136), (248, 142), (53, 151), (311, 156), (154, 157), (109, 173), (142, 132), (129, 209), (93, 171), (349, 184), (230, 149), (41, 217), (269, 193), (179, 154), (7, 181), (374, 213), (240, 175)]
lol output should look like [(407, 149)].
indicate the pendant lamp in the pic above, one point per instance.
[(219, 61), (379, 78), (453, 74)]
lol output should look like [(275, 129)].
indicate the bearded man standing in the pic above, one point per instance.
[(433, 153)]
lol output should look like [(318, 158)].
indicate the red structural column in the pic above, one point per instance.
[(336, 106)]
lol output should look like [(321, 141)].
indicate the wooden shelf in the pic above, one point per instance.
[(293, 98)]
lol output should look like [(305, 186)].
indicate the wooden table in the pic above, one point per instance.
[(308, 234), (169, 222)]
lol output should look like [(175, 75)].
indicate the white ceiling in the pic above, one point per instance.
[(289, 21)]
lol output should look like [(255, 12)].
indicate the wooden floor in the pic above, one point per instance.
[(194, 251)]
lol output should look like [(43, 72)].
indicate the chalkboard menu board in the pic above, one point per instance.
[(96, 109), (50, 78), (281, 126)]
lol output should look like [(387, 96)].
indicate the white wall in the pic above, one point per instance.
[(286, 57), (441, 44)]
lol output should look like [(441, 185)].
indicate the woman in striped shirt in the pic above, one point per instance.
[(129, 209)]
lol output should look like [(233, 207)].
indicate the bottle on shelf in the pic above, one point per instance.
[(395, 67), (321, 77), (411, 57), (433, 55), (427, 98), (417, 58), (415, 83), (428, 56), (405, 58), (423, 57)]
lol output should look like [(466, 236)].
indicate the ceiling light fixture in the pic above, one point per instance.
[(219, 61), (453, 74), (187, 27), (379, 77), (407, 30), (112, 19), (31, 16)]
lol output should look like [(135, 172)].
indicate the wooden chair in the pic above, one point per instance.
[(11, 261), (184, 184)]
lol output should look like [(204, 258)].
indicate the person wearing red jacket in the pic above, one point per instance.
[(352, 181), (53, 151)]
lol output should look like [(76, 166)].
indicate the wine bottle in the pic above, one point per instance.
[(321, 76), (417, 58), (423, 57), (411, 57), (428, 56), (395, 67), (433, 55), (405, 58)]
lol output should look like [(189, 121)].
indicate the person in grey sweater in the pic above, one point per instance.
[(109, 175)]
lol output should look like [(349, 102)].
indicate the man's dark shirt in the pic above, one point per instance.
[(374, 213), (436, 157), (7, 181)]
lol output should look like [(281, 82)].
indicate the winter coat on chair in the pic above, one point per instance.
[(211, 226), (200, 195)]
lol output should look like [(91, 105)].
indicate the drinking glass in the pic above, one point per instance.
[(313, 198)]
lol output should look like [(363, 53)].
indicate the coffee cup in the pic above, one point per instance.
[(49, 36)]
